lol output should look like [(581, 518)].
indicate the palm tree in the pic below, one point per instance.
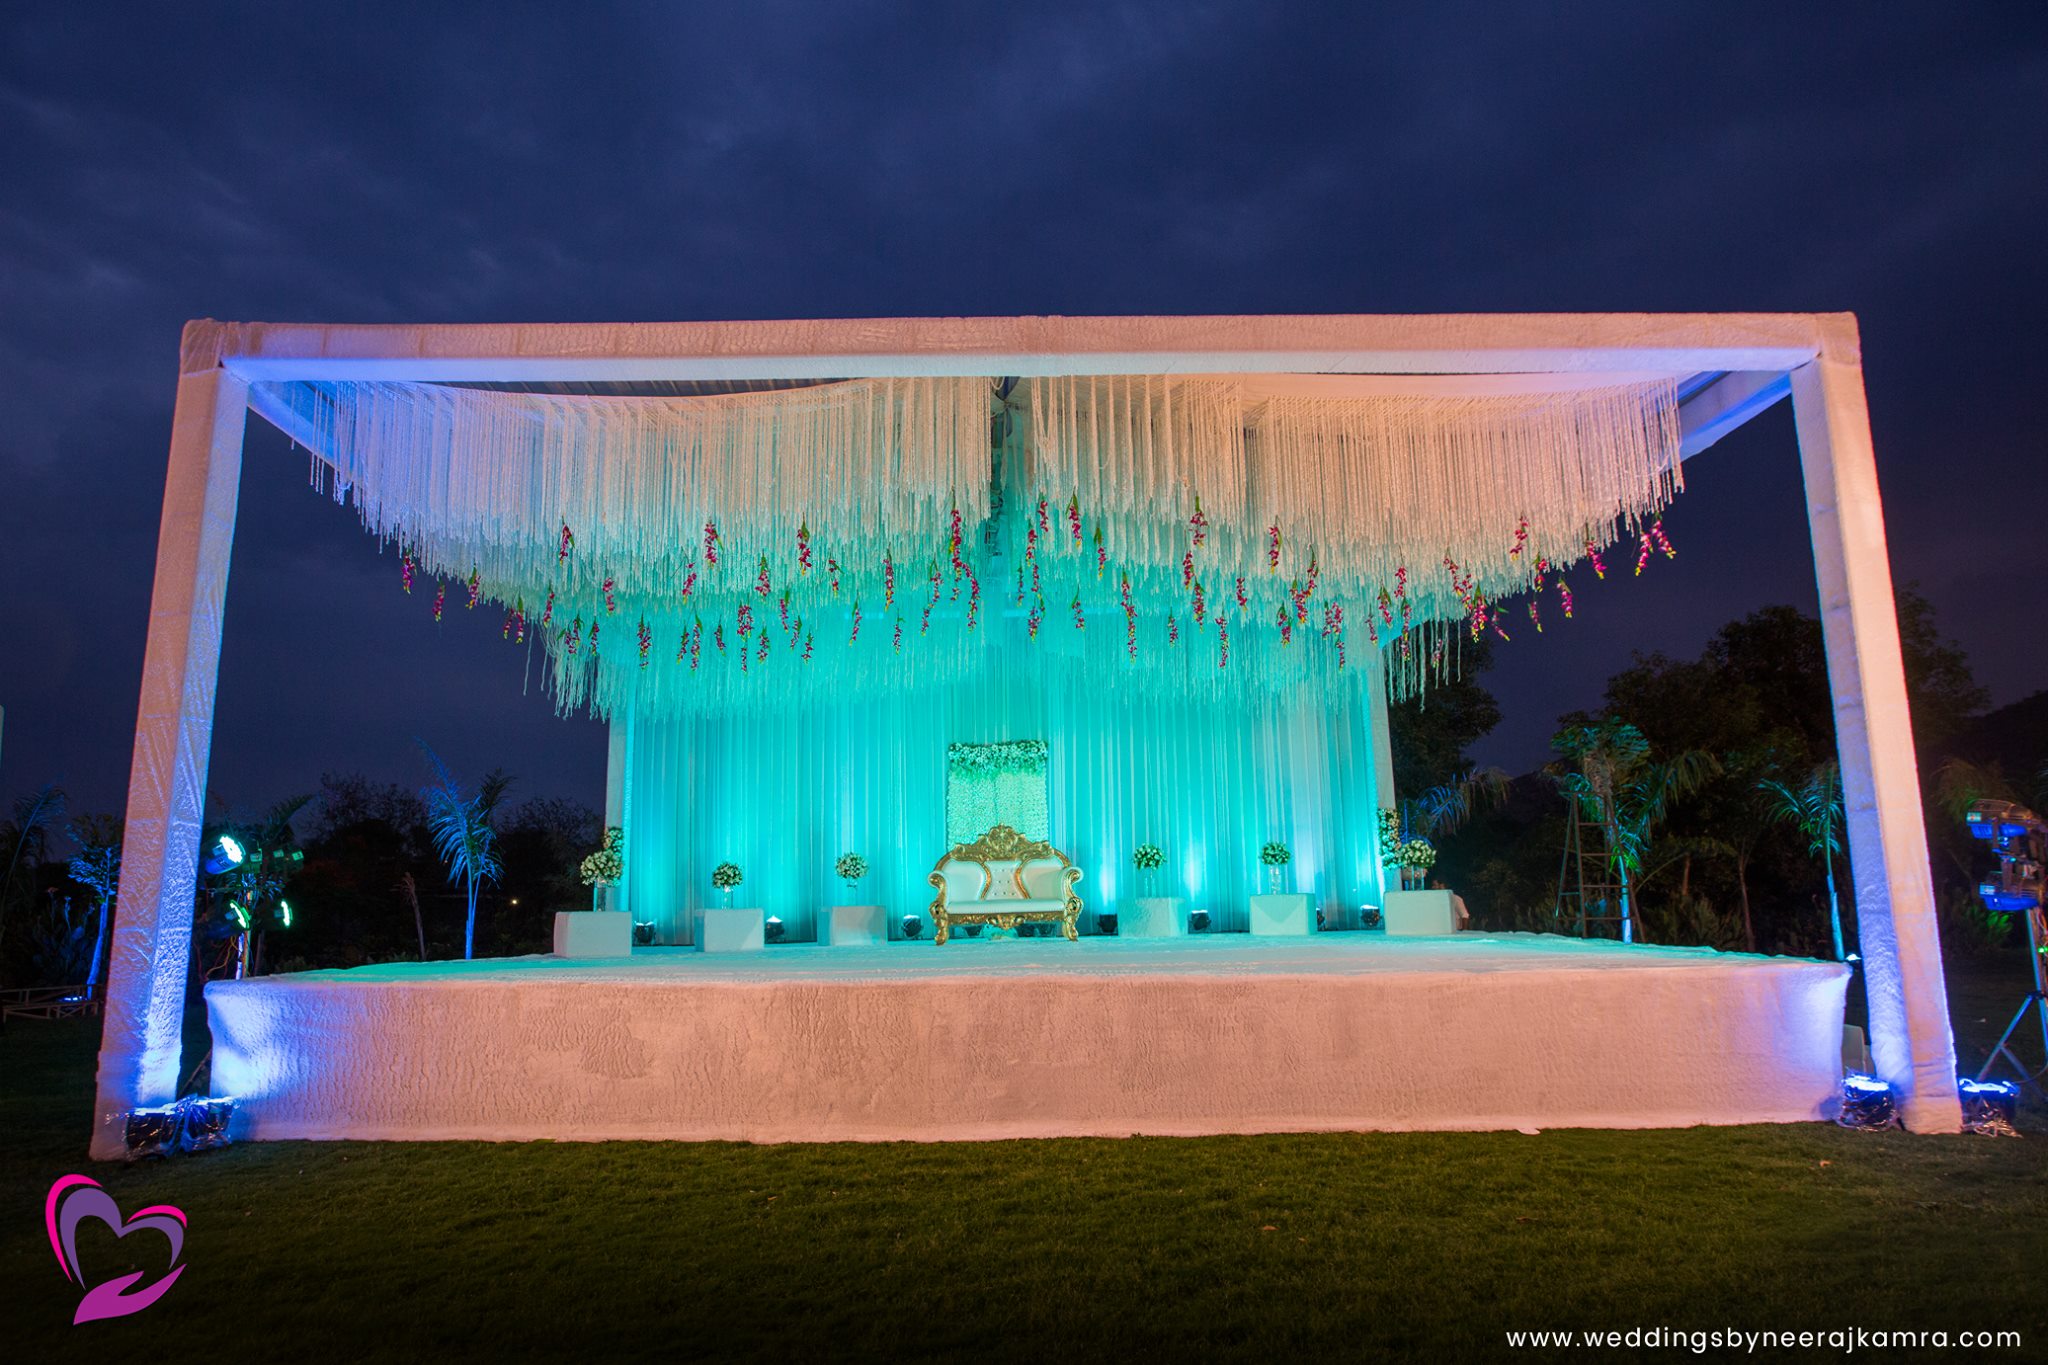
[(1616, 785), (1814, 808), (463, 835), (1742, 813), (34, 814), (1444, 808), (97, 867)]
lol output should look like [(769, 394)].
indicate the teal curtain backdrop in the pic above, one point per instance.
[(1209, 780)]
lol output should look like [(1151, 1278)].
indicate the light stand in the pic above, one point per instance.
[(2020, 838), (2037, 1001)]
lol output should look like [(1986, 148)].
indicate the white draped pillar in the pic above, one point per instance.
[(1382, 738), (1909, 1023), (152, 943), (618, 739)]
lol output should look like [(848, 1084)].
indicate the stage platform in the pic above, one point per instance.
[(1213, 1033)]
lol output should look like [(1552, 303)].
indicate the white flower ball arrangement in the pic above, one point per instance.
[(1276, 854), (726, 876), (608, 864), (1418, 853), (1148, 858), (851, 867)]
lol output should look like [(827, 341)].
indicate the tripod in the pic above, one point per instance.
[(2037, 1001)]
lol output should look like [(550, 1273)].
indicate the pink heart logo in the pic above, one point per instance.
[(75, 1198)]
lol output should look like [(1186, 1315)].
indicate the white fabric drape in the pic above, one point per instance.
[(475, 479), (641, 539)]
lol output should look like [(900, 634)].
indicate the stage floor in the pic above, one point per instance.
[(1213, 1033)]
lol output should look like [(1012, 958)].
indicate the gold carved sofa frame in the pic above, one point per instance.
[(1003, 844)]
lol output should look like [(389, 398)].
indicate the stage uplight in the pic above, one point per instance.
[(227, 852)]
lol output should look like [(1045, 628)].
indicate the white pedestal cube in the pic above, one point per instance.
[(1420, 913), (593, 933), (1154, 917), (731, 931), (857, 924), (1283, 913)]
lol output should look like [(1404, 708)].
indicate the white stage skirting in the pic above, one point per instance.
[(1035, 1038)]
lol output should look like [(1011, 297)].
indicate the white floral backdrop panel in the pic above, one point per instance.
[(990, 784)]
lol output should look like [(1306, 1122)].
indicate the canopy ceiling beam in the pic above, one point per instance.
[(1477, 343), (1726, 404)]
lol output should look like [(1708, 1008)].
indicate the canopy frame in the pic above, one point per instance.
[(1747, 361)]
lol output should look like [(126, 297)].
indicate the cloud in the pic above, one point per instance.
[(531, 162)]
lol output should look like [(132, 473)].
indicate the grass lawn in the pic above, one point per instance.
[(1358, 1246)]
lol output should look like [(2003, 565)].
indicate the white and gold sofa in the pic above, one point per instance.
[(1004, 879)]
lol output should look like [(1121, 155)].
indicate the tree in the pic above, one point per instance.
[(350, 799), (463, 835), (368, 837), (1618, 787), (1814, 808), (58, 942), (1432, 732), (1760, 688), (541, 843), (1776, 661), (1943, 692), (97, 867), (29, 837), (411, 888)]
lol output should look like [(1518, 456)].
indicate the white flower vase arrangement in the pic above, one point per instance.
[(1417, 855), (851, 867), (725, 877), (1148, 859), (1275, 857), (606, 866)]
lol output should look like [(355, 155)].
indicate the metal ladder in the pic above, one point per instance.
[(1588, 904)]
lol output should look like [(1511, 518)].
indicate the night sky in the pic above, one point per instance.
[(591, 162)]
